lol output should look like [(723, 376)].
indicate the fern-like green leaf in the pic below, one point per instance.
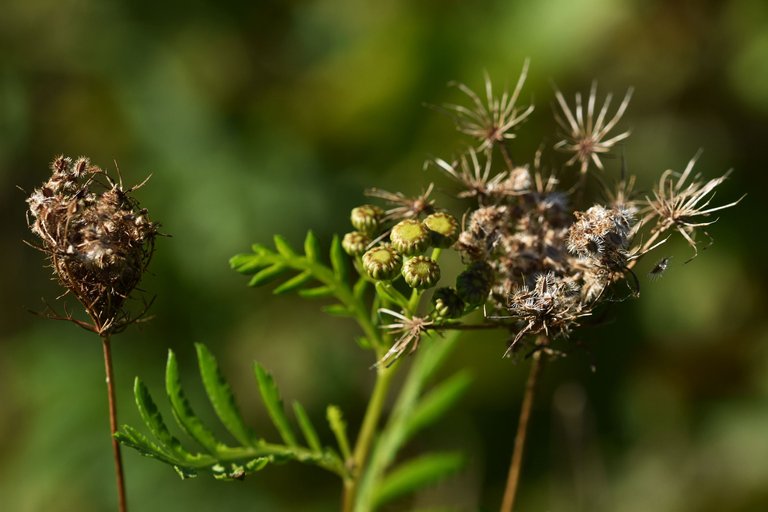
[(154, 421), (182, 411), (339, 260), (416, 474), (221, 397), (271, 398), (222, 461)]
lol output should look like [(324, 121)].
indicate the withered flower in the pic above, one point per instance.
[(585, 135), (682, 207), (405, 207), (96, 237), (492, 121), (410, 330)]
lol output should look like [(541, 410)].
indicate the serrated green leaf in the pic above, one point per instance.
[(339, 260), (182, 411), (293, 283), (415, 474), (435, 403), (154, 422), (305, 424), (268, 274), (271, 397), (317, 293), (311, 246), (339, 429), (221, 397), (129, 436), (283, 247), (185, 473), (337, 310)]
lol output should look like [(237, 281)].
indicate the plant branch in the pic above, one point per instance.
[(522, 430), (367, 430), (122, 503)]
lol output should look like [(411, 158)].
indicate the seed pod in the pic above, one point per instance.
[(354, 243), (443, 228), (410, 237), (474, 284), (421, 272), (382, 263), (447, 303), (366, 218)]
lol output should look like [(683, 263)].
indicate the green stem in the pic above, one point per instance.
[(367, 430)]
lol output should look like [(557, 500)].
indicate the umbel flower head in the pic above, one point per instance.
[(96, 237)]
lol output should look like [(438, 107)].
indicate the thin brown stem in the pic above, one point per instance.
[(505, 155), (121, 501), (522, 429)]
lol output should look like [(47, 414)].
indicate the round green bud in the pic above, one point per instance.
[(354, 243), (410, 237), (421, 272), (366, 218), (382, 263), (474, 284), (447, 303), (443, 227)]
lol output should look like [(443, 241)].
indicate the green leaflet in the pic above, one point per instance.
[(307, 429), (274, 404), (436, 402), (221, 397), (183, 412)]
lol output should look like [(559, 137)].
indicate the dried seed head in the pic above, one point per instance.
[(366, 218), (421, 272), (410, 237), (355, 242), (601, 233), (97, 238), (382, 263), (447, 303), (443, 228)]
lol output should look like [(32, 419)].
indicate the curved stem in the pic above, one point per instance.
[(367, 430), (121, 500), (522, 429)]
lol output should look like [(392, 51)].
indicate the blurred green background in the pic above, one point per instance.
[(263, 117)]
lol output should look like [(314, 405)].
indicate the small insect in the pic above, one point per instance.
[(658, 269)]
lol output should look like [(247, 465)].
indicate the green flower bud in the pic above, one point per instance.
[(382, 263), (366, 218), (410, 237), (354, 243), (443, 228), (447, 303), (421, 272), (474, 284)]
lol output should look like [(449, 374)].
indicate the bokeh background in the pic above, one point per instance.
[(262, 117)]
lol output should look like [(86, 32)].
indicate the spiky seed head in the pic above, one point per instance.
[(355, 242), (382, 263), (447, 303), (474, 284), (421, 272), (410, 237), (366, 218), (443, 228)]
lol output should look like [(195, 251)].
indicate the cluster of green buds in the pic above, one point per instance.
[(387, 249)]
